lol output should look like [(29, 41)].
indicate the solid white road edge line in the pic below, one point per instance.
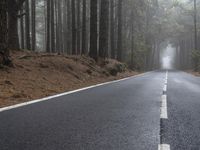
[(67, 93), (164, 147), (163, 112)]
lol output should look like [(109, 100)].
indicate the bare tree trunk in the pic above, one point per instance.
[(33, 24), (112, 30), (78, 27), (4, 51), (13, 9), (119, 40), (93, 30), (104, 29), (22, 29), (196, 61), (52, 26), (13, 38), (84, 28), (28, 44), (74, 37), (48, 26), (59, 27), (65, 36), (69, 31), (195, 24)]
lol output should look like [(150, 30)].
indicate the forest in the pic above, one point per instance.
[(132, 31), (83, 42)]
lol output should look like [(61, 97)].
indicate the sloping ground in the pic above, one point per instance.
[(37, 75), (194, 73)]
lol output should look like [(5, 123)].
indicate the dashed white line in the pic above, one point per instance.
[(165, 88), (164, 147), (163, 112), (163, 109)]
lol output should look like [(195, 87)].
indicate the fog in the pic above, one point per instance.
[(168, 57)]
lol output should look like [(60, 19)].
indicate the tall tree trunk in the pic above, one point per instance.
[(48, 26), (78, 27), (52, 26), (132, 39), (13, 38), (119, 40), (195, 24), (196, 61), (4, 51), (74, 37), (13, 9), (57, 31), (33, 7), (59, 28), (22, 29), (84, 28), (28, 44), (112, 30), (65, 26), (93, 30), (69, 31), (104, 29)]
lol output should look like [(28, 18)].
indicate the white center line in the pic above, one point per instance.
[(165, 88), (164, 147), (163, 112), (163, 109)]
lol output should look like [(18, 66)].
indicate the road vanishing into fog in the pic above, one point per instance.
[(156, 110)]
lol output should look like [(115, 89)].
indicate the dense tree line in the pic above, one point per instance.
[(180, 26), (127, 30)]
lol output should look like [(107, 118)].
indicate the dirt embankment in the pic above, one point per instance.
[(193, 73), (37, 75)]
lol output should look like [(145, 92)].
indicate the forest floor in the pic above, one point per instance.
[(37, 75), (193, 73)]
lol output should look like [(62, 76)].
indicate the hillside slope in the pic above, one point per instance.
[(36, 75)]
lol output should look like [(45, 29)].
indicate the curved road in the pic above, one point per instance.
[(157, 110)]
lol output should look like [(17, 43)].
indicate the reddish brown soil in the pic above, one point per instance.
[(194, 73), (37, 75)]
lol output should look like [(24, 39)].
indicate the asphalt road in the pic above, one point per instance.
[(182, 128), (118, 116)]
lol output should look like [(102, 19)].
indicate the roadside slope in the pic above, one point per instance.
[(36, 75)]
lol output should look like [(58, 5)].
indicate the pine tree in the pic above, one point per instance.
[(4, 51), (93, 30), (119, 40), (104, 29)]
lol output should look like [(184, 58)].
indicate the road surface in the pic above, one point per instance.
[(157, 110)]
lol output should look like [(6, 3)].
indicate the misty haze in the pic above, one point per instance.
[(99, 74), (168, 56)]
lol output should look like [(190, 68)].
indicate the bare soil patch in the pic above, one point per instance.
[(193, 73), (37, 75)]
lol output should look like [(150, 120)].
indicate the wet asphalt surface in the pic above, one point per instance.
[(117, 116), (182, 128)]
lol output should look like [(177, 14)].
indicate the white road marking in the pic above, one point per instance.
[(167, 73), (163, 109), (165, 88), (163, 112), (66, 93), (164, 147)]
